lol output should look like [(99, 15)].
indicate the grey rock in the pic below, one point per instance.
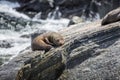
[(68, 8), (94, 56), (9, 71), (91, 52), (6, 44), (12, 22), (112, 16)]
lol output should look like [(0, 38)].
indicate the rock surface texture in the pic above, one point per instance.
[(90, 52), (112, 16), (69, 8)]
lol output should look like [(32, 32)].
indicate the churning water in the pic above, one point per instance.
[(13, 40)]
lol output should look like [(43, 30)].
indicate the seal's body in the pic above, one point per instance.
[(46, 41)]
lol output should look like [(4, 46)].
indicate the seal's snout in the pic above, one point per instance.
[(61, 42)]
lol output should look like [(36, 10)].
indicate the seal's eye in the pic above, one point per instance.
[(58, 40)]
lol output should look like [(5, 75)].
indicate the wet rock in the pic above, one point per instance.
[(32, 6), (25, 36), (68, 8), (112, 16), (11, 22), (76, 20), (1, 61), (87, 8), (6, 44), (4, 58)]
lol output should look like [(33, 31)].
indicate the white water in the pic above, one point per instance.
[(6, 3), (6, 6), (12, 36)]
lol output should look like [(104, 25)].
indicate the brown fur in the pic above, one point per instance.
[(47, 41)]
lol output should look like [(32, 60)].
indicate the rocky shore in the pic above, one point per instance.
[(91, 52), (68, 8)]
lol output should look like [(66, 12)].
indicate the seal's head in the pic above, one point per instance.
[(56, 39)]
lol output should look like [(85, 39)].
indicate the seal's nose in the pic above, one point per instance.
[(61, 42)]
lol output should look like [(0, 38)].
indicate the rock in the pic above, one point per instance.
[(6, 44), (25, 36), (68, 8), (76, 20), (91, 51), (1, 61), (87, 8), (111, 17), (12, 22), (32, 6), (94, 55), (9, 71), (104, 6), (4, 58), (51, 68)]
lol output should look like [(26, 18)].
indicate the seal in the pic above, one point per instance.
[(46, 41)]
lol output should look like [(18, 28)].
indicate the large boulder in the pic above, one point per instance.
[(112, 16), (91, 52), (94, 55)]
